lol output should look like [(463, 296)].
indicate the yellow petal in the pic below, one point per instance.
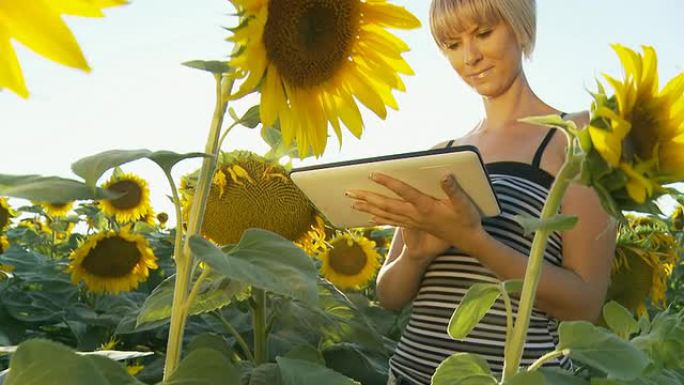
[(272, 96), (631, 61), (609, 146), (365, 93), (389, 15), (10, 71), (37, 26), (349, 113), (636, 191), (85, 8), (331, 111), (649, 80)]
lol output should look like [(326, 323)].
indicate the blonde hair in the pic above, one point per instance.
[(447, 18)]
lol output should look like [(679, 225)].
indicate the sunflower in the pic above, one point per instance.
[(4, 243), (6, 214), (640, 130), (56, 209), (134, 369), (134, 204), (312, 58), (112, 261), (251, 191), (645, 257), (162, 218), (38, 25), (350, 262)]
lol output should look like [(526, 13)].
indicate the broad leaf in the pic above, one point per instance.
[(48, 189), (600, 349), (92, 167), (556, 376), (264, 260), (463, 369), (528, 378), (475, 304), (251, 118), (204, 367), (559, 222), (619, 319), (216, 292), (43, 362), (266, 374), (113, 371), (301, 372)]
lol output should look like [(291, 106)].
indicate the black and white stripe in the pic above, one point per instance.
[(520, 189)]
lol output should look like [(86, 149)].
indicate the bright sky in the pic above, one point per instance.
[(139, 96)]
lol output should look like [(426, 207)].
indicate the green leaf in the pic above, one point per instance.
[(213, 66), (559, 222), (48, 188), (513, 286), (251, 118), (92, 167), (306, 353), (475, 304), (619, 319), (463, 369), (266, 374), (301, 372), (528, 378), (216, 292), (113, 371), (204, 367), (264, 260), (353, 361), (43, 362), (600, 349), (555, 376), (551, 121)]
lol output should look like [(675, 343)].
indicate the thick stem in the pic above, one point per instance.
[(184, 261), (509, 314), (259, 326), (178, 241), (515, 346)]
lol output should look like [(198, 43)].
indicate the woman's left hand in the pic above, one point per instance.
[(454, 219)]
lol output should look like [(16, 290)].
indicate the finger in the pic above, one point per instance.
[(393, 205), (382, 221), (453, 189), (369, 208), (404, 190)]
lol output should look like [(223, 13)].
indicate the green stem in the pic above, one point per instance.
[(259, 326), (546, 357), (196, 289), (178, 241), (509, 314), (184, 259), (241, 341), (225, 133), (514, 347)]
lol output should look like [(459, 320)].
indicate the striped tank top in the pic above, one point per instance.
[(521, 188)]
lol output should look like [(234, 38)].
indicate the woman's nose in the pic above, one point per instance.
[(472, 53)]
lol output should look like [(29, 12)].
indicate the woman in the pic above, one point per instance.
[(443, 246)]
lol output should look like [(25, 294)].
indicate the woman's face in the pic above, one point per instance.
[(486, 57)]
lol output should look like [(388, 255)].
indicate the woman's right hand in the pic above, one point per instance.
[(421, 246)]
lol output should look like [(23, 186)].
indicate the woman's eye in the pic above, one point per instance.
[(484, 33), (453, 45)]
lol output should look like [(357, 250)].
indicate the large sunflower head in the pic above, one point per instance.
[(640, 129), (251, 191), (112, 261), (313, 58), (134, 204), (645, 257), (351, 261), (56, 209), (6, 213)]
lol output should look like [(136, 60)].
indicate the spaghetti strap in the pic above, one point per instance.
[(451, 143), (542, 146)]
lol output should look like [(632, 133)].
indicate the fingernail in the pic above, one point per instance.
[(350, 194), (371, 176)]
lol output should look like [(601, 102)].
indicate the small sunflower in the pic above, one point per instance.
[(134, 204), (4, 243), (134, 369), (351, 262), (645, 257), (313, 58), (251, 191), (38, 25), (6, 214), (640, 130), (56, 210), (112, 261), (162, 218)]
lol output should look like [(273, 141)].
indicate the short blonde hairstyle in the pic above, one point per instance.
[(447, 18)]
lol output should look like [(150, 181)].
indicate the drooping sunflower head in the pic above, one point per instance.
[(640, 129), (251, 191), (134, 204), (314, 57), (6, 213), (112, 261), (351, 262), (56, 209), (646, 254)]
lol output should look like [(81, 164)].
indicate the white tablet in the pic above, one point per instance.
[(325, 184)]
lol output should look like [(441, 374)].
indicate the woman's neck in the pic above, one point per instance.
[(519, 101)]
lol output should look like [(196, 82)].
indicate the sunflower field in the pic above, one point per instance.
[(247, 283)]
